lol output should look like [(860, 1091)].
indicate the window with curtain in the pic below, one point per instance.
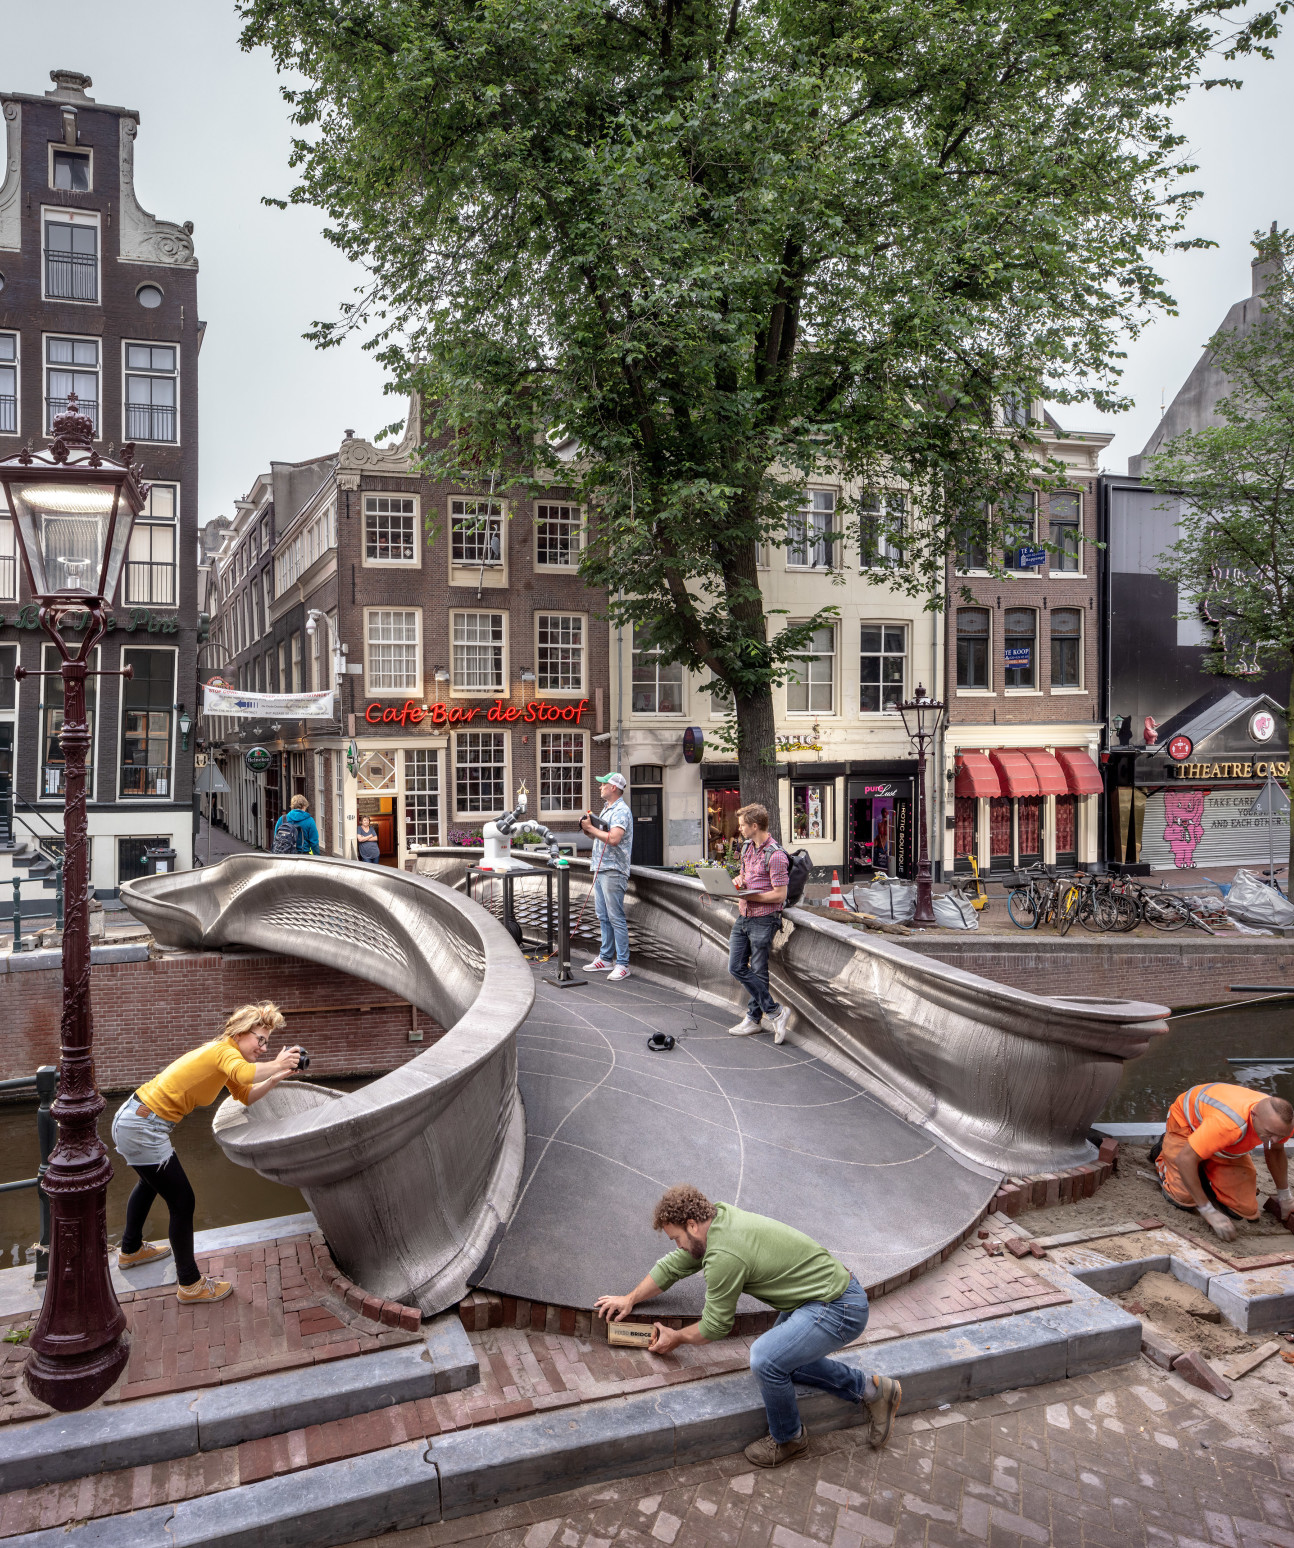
[(1019, 644), (148, 707), (1066, 647), (478, 652), (1063, 524), (808, 533), (972, 647)]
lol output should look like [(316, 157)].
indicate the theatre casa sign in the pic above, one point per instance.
[(500, 712)]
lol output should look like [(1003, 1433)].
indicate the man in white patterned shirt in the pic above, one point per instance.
[(613, 841)]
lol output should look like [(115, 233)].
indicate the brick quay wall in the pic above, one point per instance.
[(1180, 971), (148, 1013)]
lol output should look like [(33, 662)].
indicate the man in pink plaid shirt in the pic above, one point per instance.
[(762, 881)]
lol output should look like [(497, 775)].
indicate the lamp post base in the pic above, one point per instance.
[(70, 1383)]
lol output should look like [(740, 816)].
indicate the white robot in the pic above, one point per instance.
[(498, 838)]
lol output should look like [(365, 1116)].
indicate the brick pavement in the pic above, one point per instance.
[(522, 1371), (1125, 1459)]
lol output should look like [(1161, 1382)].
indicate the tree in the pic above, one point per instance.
[(729, 246), (1235, 482)]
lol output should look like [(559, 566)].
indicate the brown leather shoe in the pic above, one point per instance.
[(766, 1452), (148, 1253), (206, 1290), (883, 1410)]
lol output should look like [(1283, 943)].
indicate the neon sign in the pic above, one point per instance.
[(500, 712)]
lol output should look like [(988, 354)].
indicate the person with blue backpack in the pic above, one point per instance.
[(295, 832)]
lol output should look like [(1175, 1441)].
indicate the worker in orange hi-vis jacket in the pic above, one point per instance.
[(1204, 1161)]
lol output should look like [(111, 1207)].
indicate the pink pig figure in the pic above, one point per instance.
[(1152, 731), (1183, 829)]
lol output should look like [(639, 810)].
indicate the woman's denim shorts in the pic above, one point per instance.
[(142, 1141)]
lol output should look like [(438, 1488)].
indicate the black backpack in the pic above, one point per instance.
[(287, 836), (800, 866)]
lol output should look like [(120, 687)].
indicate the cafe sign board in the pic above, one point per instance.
[(257, 759), (410, 713)]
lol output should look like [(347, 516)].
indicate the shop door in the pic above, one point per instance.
[(385, 824), (1067, 830), (721, 837), (273, 801), (649, 841), (1030, 830), (999, 834), (964, 844)]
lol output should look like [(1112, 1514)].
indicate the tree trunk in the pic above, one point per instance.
[(757, 756), (1289, 774)]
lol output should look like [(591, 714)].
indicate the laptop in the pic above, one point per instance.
[(716, 881)]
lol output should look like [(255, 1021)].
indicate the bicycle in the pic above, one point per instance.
[(1029, 900)]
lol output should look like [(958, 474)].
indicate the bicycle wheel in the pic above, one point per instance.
[(1165, 912), (1127, 911), (1022, 906), (1067, 909)]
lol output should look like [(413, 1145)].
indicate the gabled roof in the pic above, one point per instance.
[(1202, 721)]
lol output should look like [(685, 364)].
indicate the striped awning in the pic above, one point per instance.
[(976, 776), (1015, 772), (1082, 775)]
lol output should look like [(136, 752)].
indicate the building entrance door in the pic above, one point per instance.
[(6, 779), (880, 828), (645, 803)]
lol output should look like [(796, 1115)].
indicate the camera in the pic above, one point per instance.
[(599, 821), (303, 1061)]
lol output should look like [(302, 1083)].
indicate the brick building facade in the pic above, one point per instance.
[(468, 655), (99, 298), (1022, 671)]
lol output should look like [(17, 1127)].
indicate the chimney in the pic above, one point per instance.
[(1262, 268)]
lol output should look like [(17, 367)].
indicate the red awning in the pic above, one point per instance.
[(1083, 775), (1051, 777), (1015, 772), (976, 776)]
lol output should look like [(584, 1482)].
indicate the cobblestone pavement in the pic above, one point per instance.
[(1131, 1458)]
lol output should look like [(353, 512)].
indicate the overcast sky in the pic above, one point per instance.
[(214, 138)]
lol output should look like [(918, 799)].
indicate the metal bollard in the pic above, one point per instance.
[(17, 913), (564, 978), (58, 895), (47, 1130)]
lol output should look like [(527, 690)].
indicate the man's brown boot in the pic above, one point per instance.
[(767, 1453), (883, 1409)]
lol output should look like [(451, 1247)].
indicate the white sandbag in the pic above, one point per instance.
[(887, 897), (1254, 902), (954, 912)]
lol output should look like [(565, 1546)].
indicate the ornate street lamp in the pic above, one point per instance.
[(922, 717), (73, 510)]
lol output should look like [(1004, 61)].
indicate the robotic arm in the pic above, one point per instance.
[(498, 837)]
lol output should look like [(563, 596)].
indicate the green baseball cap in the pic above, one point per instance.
[(618, 780)]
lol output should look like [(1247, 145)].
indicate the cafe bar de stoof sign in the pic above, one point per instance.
[(410, 713)]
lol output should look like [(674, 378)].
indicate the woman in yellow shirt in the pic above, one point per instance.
[(141, 1132)]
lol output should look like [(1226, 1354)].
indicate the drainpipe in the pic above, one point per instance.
[(620, 690), (937, 768)]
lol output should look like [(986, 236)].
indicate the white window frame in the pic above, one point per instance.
[(338, 759), (494, 692), (433, 757), (62, 215), (47, 366), (1023, 688), (471, 817), (882, 625), (85, 152), (583, 801), (128, 592), (876, 503), (49, 662), (576, 520), (670, 666), (121, 728), (1078, 572), (1081, 685), (581, 690), (14, 365), (415, 516), (989, 688), (493, 572), (387, 693), (802, 526), (150, 374), (297, 656), (832, 656), (321, 803), (8, 560)]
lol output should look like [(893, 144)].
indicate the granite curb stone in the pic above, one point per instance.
[(100, 1440)]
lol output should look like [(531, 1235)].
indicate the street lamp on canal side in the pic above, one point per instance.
[(73, 510), (921, 720)]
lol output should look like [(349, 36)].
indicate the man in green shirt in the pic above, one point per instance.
[(821, 1307)]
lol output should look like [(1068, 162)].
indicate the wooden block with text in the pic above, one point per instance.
[(631, 1335)]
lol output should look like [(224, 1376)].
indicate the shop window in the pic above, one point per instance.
[(1019, 640), (559, 663), (811, 690), (813, 811), (1064, 532), (722, 840), (148, 706), (1066, 647), (1019, 527), (132, 855), (478, 652), (1030, 821), (561, 771), (882, 667), (808, 533), (964, 811), (999, 832), (389, 529), (479, 767), (557, 536), (421, 798), (476, 532), (878, 541), (657, 684), (53, 764), (1066, 828), (972, 647)]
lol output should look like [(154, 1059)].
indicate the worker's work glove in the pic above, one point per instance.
[(1221, 1225), (1285, 1202)]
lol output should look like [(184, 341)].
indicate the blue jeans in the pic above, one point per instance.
[(748, 948), (609, 905), (795, 1349)]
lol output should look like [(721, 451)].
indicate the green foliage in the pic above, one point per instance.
[(731, 246), (1235, 480)]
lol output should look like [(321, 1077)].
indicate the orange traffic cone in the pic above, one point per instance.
[(837, 898)]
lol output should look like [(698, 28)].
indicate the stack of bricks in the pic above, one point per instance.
[(1044, 1190)]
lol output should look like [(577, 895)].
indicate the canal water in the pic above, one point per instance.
[(226, 1194), (1197, 1048)]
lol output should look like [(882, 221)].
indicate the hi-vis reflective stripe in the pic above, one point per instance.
[(1198, 1095)]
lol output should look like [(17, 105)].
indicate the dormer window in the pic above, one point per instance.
[(69, 170)]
